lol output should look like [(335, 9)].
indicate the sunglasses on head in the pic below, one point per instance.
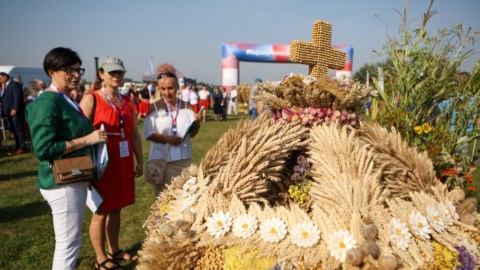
[(166, 74)]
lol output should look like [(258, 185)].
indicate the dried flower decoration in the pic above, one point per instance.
[(219, 223), (435, 218), (419, 225), (306, 100), (399, 234), (305, 234), (273, 230), (190, 184), (245, 226), (339, 242)]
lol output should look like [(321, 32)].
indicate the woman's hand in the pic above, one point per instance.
[(197, 117), (173, 140), (95, 137), (139, 170)]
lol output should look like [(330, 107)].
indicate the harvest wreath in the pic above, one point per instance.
[(312, 187)]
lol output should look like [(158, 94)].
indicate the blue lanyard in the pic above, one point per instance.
[(121, 115), (174, 120)]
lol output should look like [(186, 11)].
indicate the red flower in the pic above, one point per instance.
[(468, 178), (449, 172), (471, 188)]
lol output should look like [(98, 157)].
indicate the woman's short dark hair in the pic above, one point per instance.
[(59, 58)]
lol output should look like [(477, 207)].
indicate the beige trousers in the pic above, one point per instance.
[(160, 173)]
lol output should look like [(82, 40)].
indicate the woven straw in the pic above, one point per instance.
[(318, 55)]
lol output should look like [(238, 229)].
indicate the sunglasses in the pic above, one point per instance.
[(71, 71), (166, 74)]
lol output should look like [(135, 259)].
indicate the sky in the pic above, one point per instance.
[(189, 33)]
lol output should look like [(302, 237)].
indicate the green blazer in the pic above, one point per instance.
[(53, 122)]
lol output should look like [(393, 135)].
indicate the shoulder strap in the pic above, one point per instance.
[(155, 105)]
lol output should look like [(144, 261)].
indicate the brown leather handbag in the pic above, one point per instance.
[(71, 170)]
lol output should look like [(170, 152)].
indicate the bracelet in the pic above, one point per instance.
[(72, 144)]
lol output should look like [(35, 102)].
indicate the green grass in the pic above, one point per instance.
[(26, 232), (26, 228)]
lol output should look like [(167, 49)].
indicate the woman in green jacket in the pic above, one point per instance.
[(59, 129)]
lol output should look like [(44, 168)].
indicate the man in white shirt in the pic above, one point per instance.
[(185, 93), (232, 102)]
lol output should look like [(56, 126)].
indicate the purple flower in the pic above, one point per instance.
[(296, 177), (276, 267), (466, 260), (301, 160)]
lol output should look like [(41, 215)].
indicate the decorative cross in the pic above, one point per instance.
[(318, 55)]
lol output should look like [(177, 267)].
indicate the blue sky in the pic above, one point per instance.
[(189, 33)]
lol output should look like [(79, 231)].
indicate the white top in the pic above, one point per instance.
[(193, 98), (203, 94), (161, 122), (185, 94), (233, 94)]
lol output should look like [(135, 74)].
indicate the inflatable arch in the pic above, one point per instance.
[(233, 53)]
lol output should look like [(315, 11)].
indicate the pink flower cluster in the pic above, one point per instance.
[(309, 116)]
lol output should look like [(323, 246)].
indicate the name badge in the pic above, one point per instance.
[(124, 149)]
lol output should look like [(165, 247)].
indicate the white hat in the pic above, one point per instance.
[(110, 63)]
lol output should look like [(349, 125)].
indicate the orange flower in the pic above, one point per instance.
[(468, 178), (449, 172), (471, 188)]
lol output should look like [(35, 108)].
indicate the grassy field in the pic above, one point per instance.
[(26, 230)]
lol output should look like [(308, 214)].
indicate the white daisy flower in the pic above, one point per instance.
[(219, 223), (399, 234), (305, 234), (435, 219), (245, 226), (273, 230), (188, 202), (339, 242), (419, 225), (452, 210), (189, 183), (193, 188), (445, 214)]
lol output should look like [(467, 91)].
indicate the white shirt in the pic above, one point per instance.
[(233, 94), (161, 122), (193, 98), (203, 94), (185, 94)]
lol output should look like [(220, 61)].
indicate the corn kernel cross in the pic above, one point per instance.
[(318, 55)]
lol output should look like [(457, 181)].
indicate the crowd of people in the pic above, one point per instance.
[(69, 117)]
